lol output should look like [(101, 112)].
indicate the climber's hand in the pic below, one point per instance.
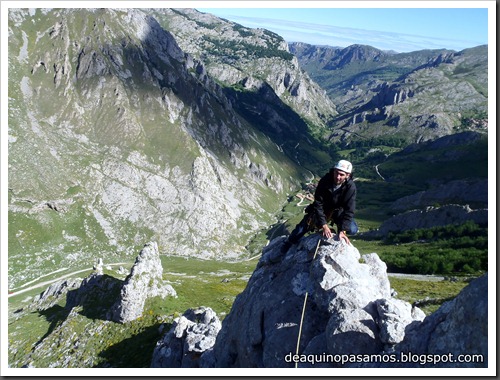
[(343, 235), (326, 231)]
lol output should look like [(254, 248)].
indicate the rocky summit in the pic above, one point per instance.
[(322, 304)]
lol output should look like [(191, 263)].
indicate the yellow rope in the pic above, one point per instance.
[(304, 310)]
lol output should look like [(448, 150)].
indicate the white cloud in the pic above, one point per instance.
[(317, 34)]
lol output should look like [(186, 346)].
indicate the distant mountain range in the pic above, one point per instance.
[(414, 96)]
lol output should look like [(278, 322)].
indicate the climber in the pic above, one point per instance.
[(335, 201)]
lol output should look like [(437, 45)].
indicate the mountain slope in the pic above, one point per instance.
[(251, 61), (116, 136), (415, 96)]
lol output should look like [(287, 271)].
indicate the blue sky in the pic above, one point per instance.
[(390, 28)]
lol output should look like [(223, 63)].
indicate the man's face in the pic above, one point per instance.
[(339, 176)]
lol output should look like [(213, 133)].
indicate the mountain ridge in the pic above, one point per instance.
[(417, 96)]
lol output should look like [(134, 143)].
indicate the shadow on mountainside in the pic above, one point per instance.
[(92, 299), (95, 297), (55, 315), (133, 352), (267, 113)]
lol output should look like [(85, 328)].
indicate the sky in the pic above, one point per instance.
[(401, 26)]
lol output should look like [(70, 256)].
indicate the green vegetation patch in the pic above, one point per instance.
[(453, 249), (234, 49), (209, 283), (427, 295)]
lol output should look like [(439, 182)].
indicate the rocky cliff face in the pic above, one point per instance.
[(252, 58), (349, 313)]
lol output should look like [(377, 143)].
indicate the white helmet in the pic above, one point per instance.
[(344, 165)]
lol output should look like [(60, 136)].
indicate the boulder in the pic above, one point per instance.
[(190, 336)]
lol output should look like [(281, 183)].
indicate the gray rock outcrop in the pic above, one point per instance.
[(349, 315), (284, 77), (190, 336), (349, 308), (54, 293), (144, 281), (456, 335)]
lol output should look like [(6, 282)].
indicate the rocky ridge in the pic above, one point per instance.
[(253, 58), (430, 217), (350, 311), (420, 95), (463, 191)]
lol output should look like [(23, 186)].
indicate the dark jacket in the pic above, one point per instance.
[(338, 204)]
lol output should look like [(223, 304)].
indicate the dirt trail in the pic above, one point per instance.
[(419, 277), (49, 282)]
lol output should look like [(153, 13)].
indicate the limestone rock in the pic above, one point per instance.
[(458, 327), (144, 281), (395, 316), (341, 314), (50, 296), (347, 307), (190, 336)]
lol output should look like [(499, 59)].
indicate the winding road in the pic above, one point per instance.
[(380, 175)]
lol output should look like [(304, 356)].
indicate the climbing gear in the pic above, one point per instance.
[(304, 308), (344, 165)]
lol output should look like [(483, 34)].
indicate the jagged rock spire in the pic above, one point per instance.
[(144, 281)]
